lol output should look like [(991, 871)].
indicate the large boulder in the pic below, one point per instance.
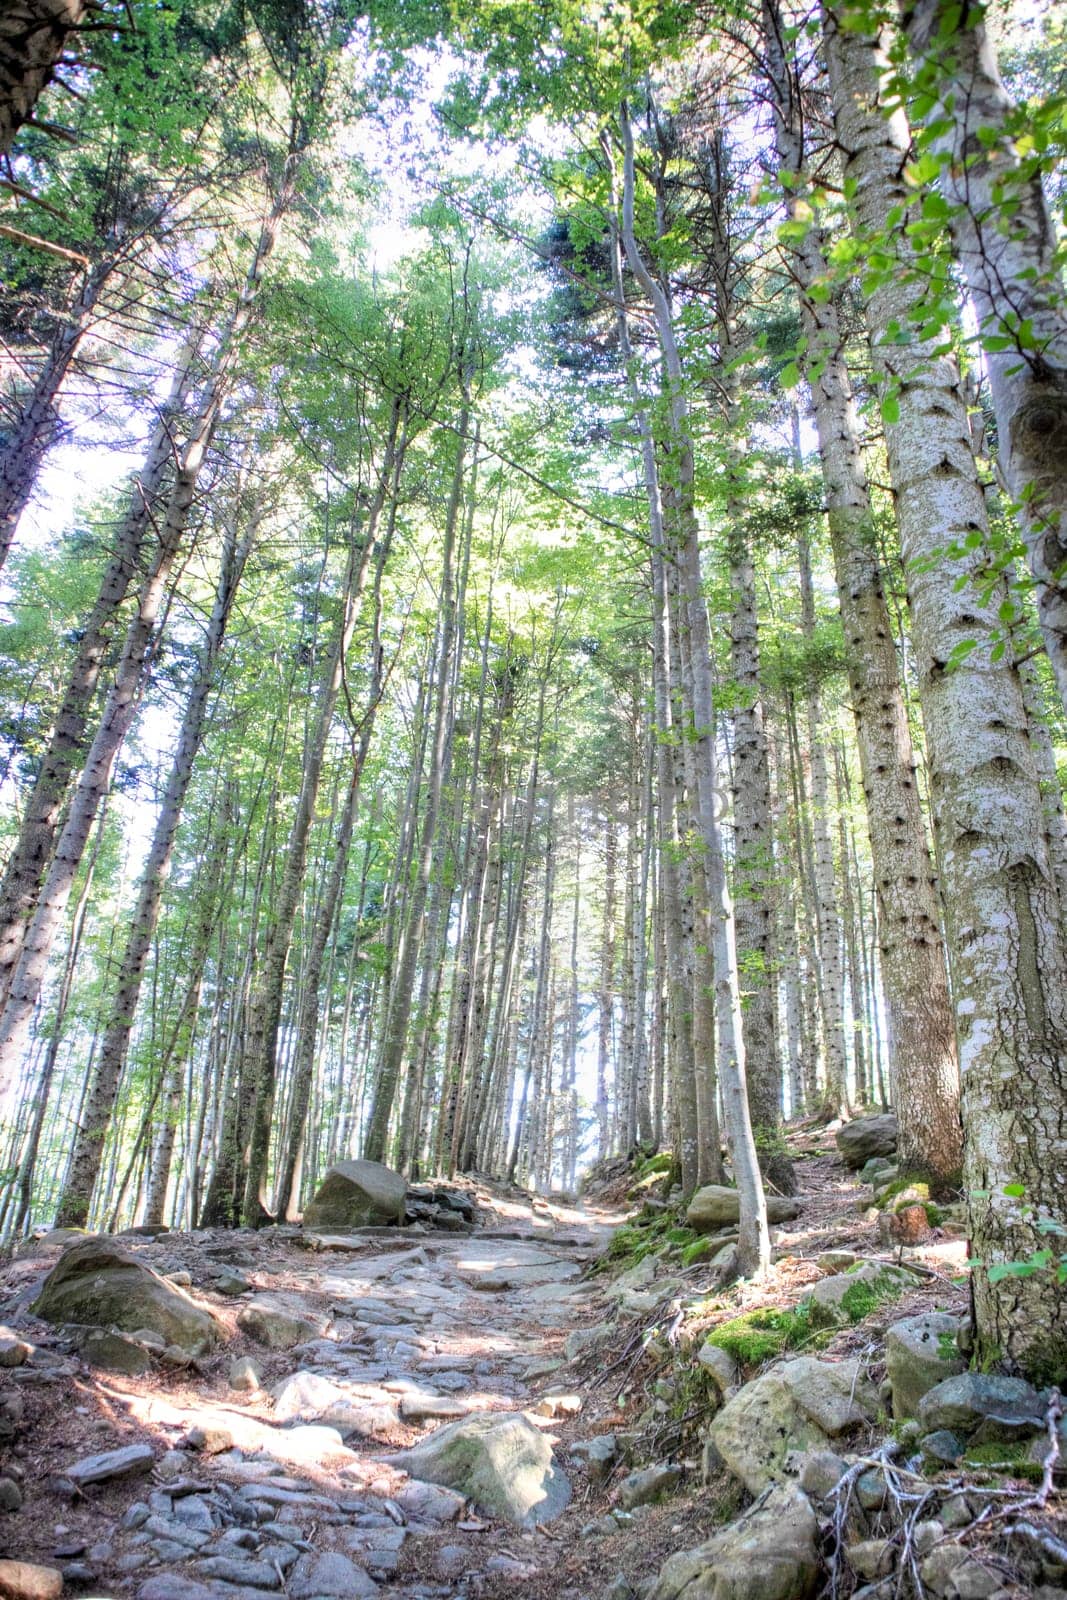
[(920, 1352), (716, 1206), (498, 1459), (800, 1405), (99, 1284), (858, 1141), (357, 1194), (770, 1553)]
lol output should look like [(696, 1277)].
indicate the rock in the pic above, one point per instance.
[(13, 1350), (715, 1205), (906, 1224), (720, 1367), (848, 1297), (245, 1375), (357, 1194), (872, 1170), (557, 1405), (598, 1456), (642, 1488), (770, 1553), (10, 1495), (97, 1283), (428, 1502), (307, 1396), (432, 1408), (12, 1415), (978, 1403), (235, 1569), (941, 1448), (865, 1137), (871, 1489), (111, 1351), (819, 1472), (316, 1576), (231, 1282), (169, 1586), (798, 1406), (498, 1459), (130, 1460), (871, 1558), (22, 1580), (920, 1352), (269, 1321), (956, 1513), (583, 1339)]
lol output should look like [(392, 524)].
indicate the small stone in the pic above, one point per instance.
[(925, 1535), (721, 1368), (234, 1569), (865, 1137), (598, 1455), (181, 1279), (231, 1282), (124, 1463), (871, 1489), (956, 1512), (10, 1495), (24, 1580), (278, 1326), (642, 1488), (14, 1352), (135, 1516), (820, 1473), (114, 1352), (871, 1558), (941, 1448), (245, 1375)]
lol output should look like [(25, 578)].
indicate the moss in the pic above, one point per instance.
[(885, 1197), (656, 1164), (681, 1236), (1012, 1459), (755, 1337), (934, 1214), (697, 1251), (865, 1296)]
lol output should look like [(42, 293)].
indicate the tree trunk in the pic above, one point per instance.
[(33, 36), (1005, 243), (74, 1203), (1002, 909)]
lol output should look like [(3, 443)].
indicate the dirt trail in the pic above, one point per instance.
[(415, 1328)]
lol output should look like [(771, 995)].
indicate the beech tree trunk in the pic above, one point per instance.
[(1006, 244), (919, 1017), (1002, 909)]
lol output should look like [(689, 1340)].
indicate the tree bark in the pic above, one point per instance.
[(33, 37), (1002, 909)]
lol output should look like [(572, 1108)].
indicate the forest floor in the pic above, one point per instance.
[(417, 1327)]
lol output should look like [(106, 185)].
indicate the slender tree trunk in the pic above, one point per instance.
[(753, 1239), (65, 751), (84, 1167)]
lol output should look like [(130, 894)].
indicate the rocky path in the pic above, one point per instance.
[(277, 1465)]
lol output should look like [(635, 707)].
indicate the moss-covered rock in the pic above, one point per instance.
[(756, 1336), (919, 1353), (717, 1206), (98, 1284), (499, 1460), (798, 1406), (848, 1297), (770, 1553)]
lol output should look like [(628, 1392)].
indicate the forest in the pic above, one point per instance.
[(534, 614)]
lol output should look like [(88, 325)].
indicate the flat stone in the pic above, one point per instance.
[(642, 1488), (24, 1580), (316, 1576), (848, 1297), (232, 1569), (271, 1322), (113, 1352), (169, 1586), (976, 1400), (122, 1463), (423, 1408)]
